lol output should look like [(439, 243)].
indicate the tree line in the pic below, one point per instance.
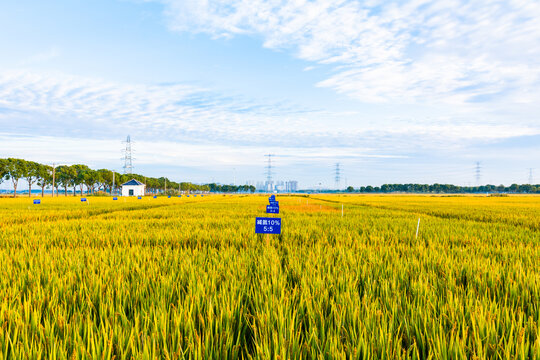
[(78, 176), (448, 188), (231, 188)]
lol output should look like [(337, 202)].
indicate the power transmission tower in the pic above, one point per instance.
[(531, 176), (269, 181), (128, 160), (337, 177), (478, 172)]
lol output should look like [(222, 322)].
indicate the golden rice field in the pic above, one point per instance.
[(189, 278)]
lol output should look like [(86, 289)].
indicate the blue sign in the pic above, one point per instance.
[(274, 203), (202, 195), (37, 202), (169, 196), (83, 199), (139, 197), (115, 198), (272, 209), (155, 197), (188, 196), (179, 195), (195, 195), (272, 198), (267, 225)]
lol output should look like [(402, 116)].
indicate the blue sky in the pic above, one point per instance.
[(395, 91)]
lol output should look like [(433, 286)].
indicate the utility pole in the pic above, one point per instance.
[(112, 189)]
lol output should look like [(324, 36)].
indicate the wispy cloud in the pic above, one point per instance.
[(453, 51), (41, 57), (60, 104)]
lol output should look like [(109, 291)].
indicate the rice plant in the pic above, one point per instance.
[(189, 278)]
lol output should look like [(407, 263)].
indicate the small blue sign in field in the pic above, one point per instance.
[(155, 197), (267, 225), (115, 198), (179, 195), (169, 196), (83, 199), (37, 202), (139, 197), (274, 203), (272, 209)]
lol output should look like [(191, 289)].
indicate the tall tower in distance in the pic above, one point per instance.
[(337, 176), (269, 183), (128, 160), (478, 173)]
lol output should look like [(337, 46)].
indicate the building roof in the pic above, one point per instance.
[(133, 182)]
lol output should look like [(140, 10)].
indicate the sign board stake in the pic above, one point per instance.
[(341, 210), (417, 227), (267, 225)]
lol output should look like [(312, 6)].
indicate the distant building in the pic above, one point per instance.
[(133, 188), (291, 186), (260, 186)]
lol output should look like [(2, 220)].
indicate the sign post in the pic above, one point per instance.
[(267, 225), (270, 209)]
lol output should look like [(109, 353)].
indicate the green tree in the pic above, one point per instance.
[(44, 177), (16, 169), (90, 178), (66, 176), (31, 174), (3, 169), (79, 178), (105, 179), (350, 189)]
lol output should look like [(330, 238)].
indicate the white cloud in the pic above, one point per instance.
[(41, 57), (193, 119), (167, 111), (452, 51)]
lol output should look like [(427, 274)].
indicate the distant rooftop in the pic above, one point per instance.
[(133, 182)]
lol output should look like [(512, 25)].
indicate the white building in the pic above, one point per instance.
[(291, 186), (133, 188)]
